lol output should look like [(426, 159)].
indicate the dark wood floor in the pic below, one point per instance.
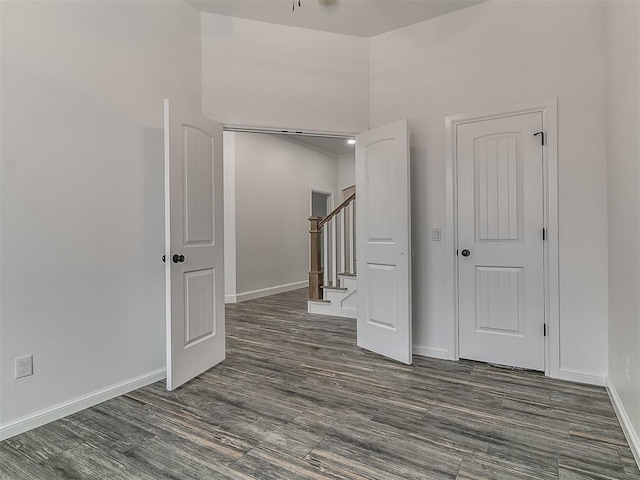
[(297, 399)]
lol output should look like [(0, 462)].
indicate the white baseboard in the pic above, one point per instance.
[(580, 377), (625, 422), (56, 412), (441, 353), (565, 374), (265, 292)]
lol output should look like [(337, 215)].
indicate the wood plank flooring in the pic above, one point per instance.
[(297, 399)]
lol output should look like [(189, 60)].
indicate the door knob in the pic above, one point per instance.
[(177, 258), (465, 253)]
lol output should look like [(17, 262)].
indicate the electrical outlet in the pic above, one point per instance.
[(24, 366), (627, 363)]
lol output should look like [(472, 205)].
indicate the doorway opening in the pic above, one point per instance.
[(274, 182), (320, 203), (201, 216)]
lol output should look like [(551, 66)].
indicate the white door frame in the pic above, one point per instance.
[(549, 110), (330, 202), (229, 127)]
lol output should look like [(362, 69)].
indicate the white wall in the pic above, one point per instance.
[(623, 48), (82, 190), (346, 171), (273, 182), (496, 54), (261, 74)]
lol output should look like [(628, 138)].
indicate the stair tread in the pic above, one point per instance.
[(347, 274), (328, 287), (318, 301)]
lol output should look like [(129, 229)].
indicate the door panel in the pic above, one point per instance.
[(500, 221), (384, 241), (199, 312), (194, 229), (499, 299), (199, 206)]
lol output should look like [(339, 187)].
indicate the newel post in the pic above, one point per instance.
[(316, 274)]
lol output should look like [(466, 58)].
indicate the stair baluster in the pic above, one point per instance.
[(332, 246)]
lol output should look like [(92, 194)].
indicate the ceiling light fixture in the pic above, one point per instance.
[(351, 141)]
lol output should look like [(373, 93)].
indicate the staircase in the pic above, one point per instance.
[(332, 278)]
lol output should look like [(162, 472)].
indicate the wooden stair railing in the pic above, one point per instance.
[(336, 233)]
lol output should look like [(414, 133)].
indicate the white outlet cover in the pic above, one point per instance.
[(24, 366)]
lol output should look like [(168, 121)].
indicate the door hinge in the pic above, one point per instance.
[(541, 133), (544, 329), (544, 234)]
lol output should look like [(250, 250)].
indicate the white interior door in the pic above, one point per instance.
[(384, 241), (194, 244), (500, 241)]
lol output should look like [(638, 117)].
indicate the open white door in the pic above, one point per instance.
[(383, 235), (194, 244)]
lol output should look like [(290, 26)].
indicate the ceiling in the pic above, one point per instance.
[(364, 18), (331, 145)]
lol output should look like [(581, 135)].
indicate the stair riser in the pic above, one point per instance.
[(338, 302)]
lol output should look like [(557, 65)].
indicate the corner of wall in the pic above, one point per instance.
[(627, 426)]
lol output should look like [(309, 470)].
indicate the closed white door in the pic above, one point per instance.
[(500, 241), (383, 239), (194, 244)]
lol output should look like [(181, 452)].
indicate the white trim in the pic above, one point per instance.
[(580, 377), (330, 203), (286, 131), (265, 292), (56, 412), (627, 427), (441, 353), (229, 174), (548, 108)]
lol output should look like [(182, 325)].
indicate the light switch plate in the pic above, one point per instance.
[(436, 234)]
